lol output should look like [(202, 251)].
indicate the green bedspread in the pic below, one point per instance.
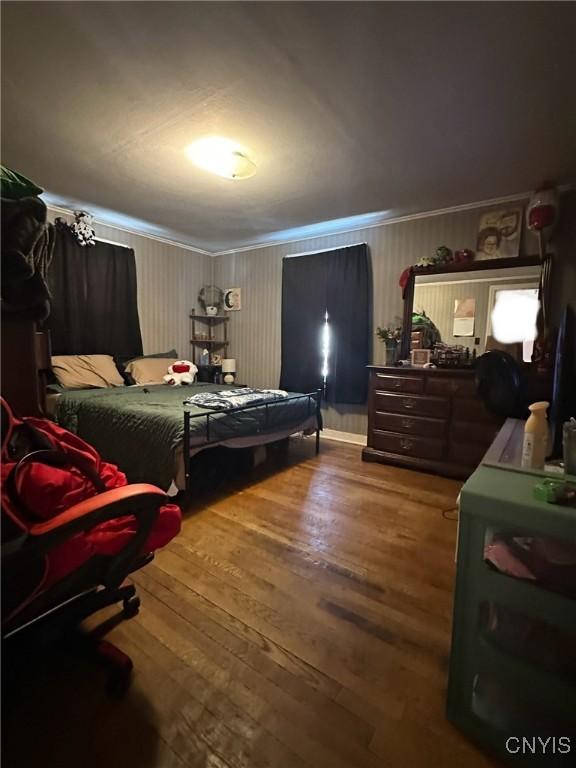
[(141, 428)]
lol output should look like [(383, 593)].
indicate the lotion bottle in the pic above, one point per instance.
[(535, 445)]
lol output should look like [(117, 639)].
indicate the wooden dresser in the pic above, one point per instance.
[(428, 419)]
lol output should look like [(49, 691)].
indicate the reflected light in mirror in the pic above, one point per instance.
[(514, 318)]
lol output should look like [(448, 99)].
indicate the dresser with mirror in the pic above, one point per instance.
[(432, 418)]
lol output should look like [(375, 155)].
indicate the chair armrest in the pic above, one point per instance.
[(140, 500), (109, 505)]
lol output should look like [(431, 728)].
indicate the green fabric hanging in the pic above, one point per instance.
[(14, 186)]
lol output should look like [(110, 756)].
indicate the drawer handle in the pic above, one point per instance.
[(406, 445), (408, 403), (454, 386), (407, 422)]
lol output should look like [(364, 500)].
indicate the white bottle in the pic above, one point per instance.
[(535, 445)]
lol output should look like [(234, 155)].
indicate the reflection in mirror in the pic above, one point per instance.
[(491, 309)]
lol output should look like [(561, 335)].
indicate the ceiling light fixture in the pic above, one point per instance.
[(221, 156)]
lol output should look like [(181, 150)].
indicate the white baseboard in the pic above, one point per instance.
[(343, 437)]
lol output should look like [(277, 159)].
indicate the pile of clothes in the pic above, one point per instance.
[(235, 398)]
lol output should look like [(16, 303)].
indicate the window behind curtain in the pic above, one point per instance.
[(94, 307), (333, 286)]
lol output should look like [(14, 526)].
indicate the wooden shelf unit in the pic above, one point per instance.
[(211, 321)]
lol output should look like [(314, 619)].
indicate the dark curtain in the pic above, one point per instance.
[(94, 299), (304, 297), (349, 319), (339, 282)]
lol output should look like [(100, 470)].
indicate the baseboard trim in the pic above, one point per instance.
[(343, 437)]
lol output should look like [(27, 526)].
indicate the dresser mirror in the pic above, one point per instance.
[(479, 307)]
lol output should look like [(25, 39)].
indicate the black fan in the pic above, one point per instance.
[(501, 384)]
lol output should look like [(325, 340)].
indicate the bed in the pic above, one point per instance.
[(152, 436)]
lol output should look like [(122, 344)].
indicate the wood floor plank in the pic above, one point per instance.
[(301, 620)]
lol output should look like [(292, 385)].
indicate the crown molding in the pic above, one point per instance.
[(382, 222), (138, 233)]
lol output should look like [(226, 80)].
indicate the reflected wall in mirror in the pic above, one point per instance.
[(483, 310)]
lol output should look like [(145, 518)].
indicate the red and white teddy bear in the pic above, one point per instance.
[(181, 372)]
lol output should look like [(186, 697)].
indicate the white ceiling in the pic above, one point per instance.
[(347, 108)]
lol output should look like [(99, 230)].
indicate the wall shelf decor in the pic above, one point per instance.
[(207, 339)]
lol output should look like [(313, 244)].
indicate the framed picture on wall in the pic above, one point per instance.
[(499, 234), (232, 299)]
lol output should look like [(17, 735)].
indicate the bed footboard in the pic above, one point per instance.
[(313, 399)]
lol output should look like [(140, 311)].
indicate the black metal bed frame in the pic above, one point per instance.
[(314, 398)]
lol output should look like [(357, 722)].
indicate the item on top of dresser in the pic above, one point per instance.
[(205, 358), (569, 446), (420, 357), (452, 356), (391, 336), (535, 444), (181, 372)]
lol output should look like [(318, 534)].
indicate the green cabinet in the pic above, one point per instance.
[(513, 660)]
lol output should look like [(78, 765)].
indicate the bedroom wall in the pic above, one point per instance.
[(169, 278), (255, 329)]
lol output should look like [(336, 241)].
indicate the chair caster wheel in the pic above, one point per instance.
[(131, 606)]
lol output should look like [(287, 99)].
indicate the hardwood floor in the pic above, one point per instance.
[(301, 619)]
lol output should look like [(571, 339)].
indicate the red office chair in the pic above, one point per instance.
[(72, 532)]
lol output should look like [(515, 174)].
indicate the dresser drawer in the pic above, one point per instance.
[(410, 425), (390, 383), (416, 405), (423, 447), (447, 386), (471, 410)]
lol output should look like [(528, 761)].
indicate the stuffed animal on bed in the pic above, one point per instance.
[(181, 372)]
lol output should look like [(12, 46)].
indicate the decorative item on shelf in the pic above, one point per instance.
[(442, 255), (210, 299), (463, 255), (391, 337), (232, 299), (215, 359), (499, 234), (205, 358), (229, 370)]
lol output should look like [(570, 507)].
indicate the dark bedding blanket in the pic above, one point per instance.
[(141, 428)]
